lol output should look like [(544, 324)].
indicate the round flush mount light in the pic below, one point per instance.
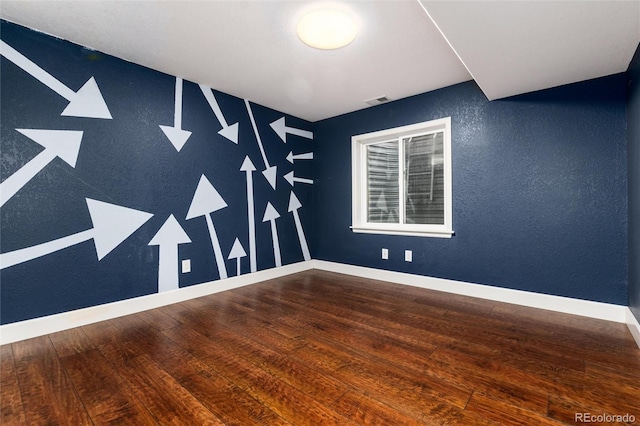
[(327, 29)]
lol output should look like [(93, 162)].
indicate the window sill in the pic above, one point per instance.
[(390, 231)]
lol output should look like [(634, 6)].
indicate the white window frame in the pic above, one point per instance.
[(359, 180)]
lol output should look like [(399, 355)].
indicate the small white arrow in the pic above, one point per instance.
[(249, 168), (112, 224), (176, 135), (207, 200), (270, 215), (294, 205), (64, 144), (168, 237), (237, 252), (281, 129), (269, 172), (291, 179), (86, 102), (381, 202), (305, 156), (229, 132)]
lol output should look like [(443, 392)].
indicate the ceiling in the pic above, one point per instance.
[(404, 47)]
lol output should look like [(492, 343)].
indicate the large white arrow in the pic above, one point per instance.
[(249, 168), (229, 132), (237, 252), (177, 136), (112, 225), (207, 200), (282, 129), (270, 215), (57, 143), (168, 237), (291, 179), (269, 171), (304, 156), (86, 102), (294, 205)]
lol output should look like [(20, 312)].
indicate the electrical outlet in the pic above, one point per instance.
[(408, 256), (385, 253), (186, 266)]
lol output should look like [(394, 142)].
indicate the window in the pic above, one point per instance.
[(402, 180)]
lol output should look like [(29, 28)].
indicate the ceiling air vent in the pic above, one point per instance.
[(377, 101)]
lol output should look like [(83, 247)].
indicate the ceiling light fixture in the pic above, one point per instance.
[(327, 29)]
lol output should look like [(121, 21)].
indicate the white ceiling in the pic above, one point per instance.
[(249, 48), (514, 47)]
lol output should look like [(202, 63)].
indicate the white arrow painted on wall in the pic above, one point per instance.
[(177, 136), (112, 224), (294, 205), (292, 179), (207, 200), (270, 215), (282, 130), (304, 156), (269, 172), (249, 168), (64, 144), (237, 252), (168, 238), (229, 132), (86, 102)]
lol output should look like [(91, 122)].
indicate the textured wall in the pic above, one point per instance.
[(539, 180), (103, 255), (633, 131), (539, 190)]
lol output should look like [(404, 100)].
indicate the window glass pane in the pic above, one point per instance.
[(383, 194), (424, 179)]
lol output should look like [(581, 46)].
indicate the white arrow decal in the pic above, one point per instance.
[(270, 215), (291, 179), (381, 203), (269, 171), (237, 252), (177, 136), (281, 129), (294, 205), (168, 237), (207, 200), (305, 156), (249, 168), (86, 102), (112, 225), (229, 132), (57, 143)]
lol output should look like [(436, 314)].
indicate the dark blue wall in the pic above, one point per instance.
[(539, 190), (633, 131), (539, 184), (128, 161)]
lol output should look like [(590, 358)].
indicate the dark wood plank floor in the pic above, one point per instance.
[(318, 348)]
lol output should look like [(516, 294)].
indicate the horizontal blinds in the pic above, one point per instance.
[(424, 179), (383, 188), (422, 185)]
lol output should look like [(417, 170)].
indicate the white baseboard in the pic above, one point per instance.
[(634, 326), (586, 308), (22, 330), (14, 332)]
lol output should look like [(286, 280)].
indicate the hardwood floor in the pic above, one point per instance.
[(319, 348)]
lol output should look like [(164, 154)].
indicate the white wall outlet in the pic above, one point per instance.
[(186, 266), (385, 253), (408, 256)]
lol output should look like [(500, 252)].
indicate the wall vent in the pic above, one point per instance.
[(377, 101)]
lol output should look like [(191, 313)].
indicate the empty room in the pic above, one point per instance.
[(248, 212)]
